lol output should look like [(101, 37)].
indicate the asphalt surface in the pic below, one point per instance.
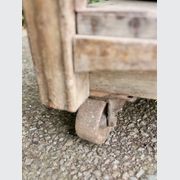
[(52, 150)]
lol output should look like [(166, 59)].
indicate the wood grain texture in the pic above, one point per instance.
[(40, 23), (95, 53), (51, 27), (77, 85), (120, 19), (131, 83)]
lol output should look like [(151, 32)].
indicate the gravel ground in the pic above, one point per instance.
[(52, 151)]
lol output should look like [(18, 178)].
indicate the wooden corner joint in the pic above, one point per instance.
[(80, 5)]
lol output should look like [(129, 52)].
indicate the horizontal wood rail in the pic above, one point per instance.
[(118, 18), (132, 83), (95, 53)]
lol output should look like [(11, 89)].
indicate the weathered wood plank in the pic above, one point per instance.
[(41, 24), (51, 27), (123, 19), (138, 83), (95, 53)]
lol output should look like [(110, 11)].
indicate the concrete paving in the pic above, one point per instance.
[(52, 150)]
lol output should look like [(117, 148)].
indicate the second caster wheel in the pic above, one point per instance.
[(92, 122)]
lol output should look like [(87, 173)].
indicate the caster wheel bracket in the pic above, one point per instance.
[(96, 118)]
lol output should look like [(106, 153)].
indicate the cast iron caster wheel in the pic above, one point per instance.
[(91, 121)]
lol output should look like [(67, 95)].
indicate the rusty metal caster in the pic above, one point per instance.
[(96, 118)]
